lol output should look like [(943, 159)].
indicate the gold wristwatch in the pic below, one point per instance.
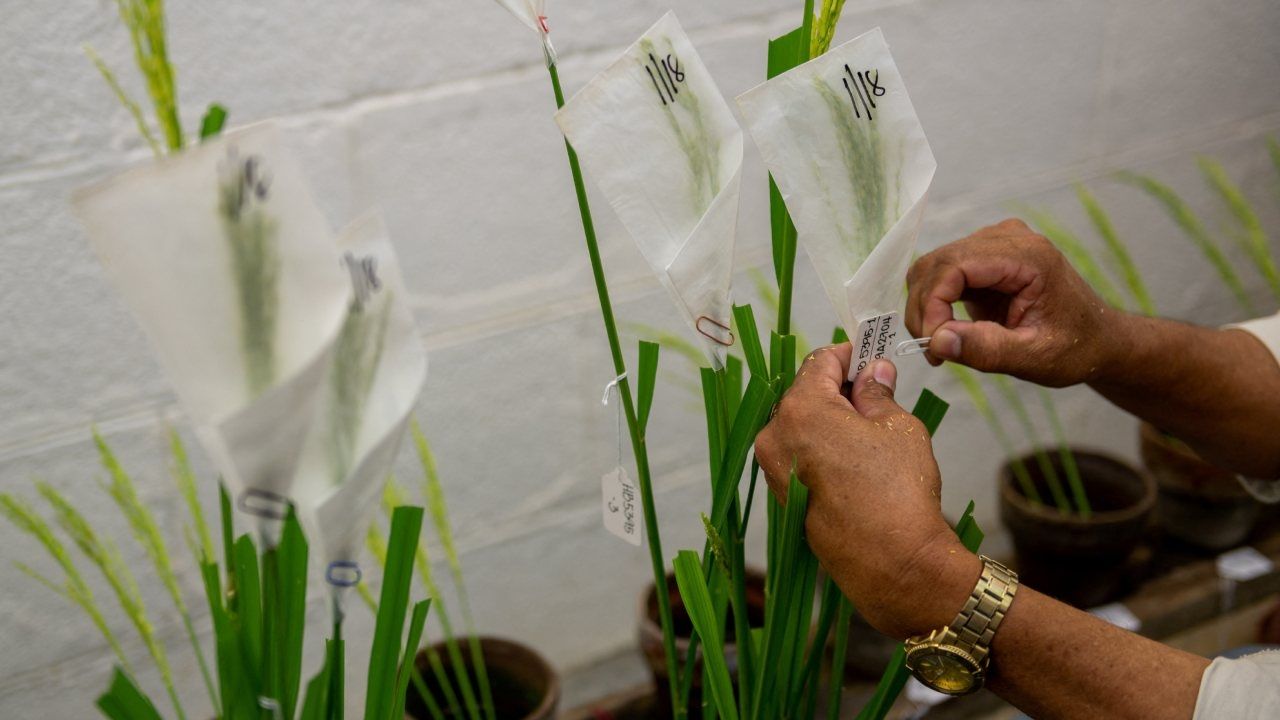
[(953, 659)]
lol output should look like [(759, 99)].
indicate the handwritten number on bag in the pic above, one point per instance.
[(863, 88), (665, 74), (364, 278)]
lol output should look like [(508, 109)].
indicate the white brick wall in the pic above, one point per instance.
[(439, 112)]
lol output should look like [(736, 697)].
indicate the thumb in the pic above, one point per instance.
[(873, 390), (982, 345)]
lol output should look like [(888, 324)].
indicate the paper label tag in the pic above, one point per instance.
[(1118, 614), (1243, 564), (620, 504), (875, 339)]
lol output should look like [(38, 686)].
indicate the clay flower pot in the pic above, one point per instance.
[(525, 687), (650, 635), (1200, 504), (1084, 562)]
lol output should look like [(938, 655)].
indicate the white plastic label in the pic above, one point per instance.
[(1118, 614), (875, 339), (1243, 564), (620, 504)]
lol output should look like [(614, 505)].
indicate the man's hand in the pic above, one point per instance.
[(1033, 316), (874, 517)]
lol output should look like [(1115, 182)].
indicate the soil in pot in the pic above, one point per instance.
[(650, 634), (1199, 504), (525, 687), (1083, 562)]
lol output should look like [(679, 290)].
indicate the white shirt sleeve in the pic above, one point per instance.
[(1241, 689), (1267, 330)]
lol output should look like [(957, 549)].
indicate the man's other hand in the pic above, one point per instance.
[(874, 516), (1032, 315)]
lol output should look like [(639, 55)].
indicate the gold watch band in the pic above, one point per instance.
[(985, 609)]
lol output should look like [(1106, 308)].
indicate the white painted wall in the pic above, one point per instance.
[(440, 113)]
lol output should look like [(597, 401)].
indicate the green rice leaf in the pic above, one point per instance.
[(685, 349), (337, 697), (249, 605), (397, 577), (315, 700), (293, 601), (840, 654), (1119, 253), (1186, 219), (785, 578), (697, 601), (1252, 236), (213, 121), (804, 693), (418, 619), (646, 381), (124, 701), (744, 322), (839, 336), (1066, 456), (752, 414), (930, 409)]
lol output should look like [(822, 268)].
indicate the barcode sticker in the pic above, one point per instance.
[(621, 506), (874, 339)]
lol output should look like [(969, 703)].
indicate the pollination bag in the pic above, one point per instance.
[(664, 148), (377, 371), (848, 154), (232, 272), (533, 13)]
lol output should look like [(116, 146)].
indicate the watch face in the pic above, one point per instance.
[(944, 671)]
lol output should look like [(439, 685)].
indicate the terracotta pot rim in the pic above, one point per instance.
[(1144, 505), (550, 698)]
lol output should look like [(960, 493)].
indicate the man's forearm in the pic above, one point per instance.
[(1217, 390), (1053, 661)]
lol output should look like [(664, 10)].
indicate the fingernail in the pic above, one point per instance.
[(885, 373), (945, 344)]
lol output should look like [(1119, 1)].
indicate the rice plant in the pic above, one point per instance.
[(145, 21), (73, 588), (147, 533), (1250, 234), (102, 554), (1189, 223), (460, 698)]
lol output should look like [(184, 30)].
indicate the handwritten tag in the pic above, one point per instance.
[(1243, 564), (620, 504), (1119, 615), (875, 339)]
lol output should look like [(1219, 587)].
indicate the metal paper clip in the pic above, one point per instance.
[(343, 573), (712, 335), (263, 504), (912, 347)]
